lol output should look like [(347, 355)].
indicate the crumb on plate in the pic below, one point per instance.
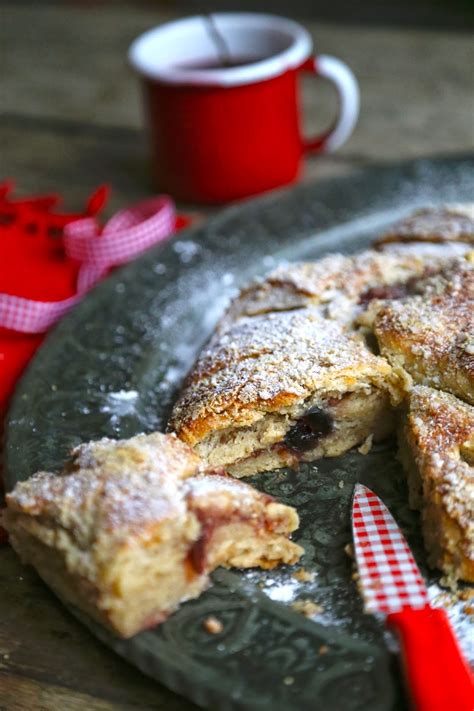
[(303, 575), (366, 446), (308, 608), (212, 625)]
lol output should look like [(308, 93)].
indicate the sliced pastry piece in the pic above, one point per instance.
[(340, 285), (130, 529), (436, 446), (282, 387), (430, 336), (443, 223)]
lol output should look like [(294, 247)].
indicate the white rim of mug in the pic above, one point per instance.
[(290, 58)]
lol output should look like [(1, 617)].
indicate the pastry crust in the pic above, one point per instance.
[(288, 344), (261, 376), (131, 529), (430, 335), (445, 223), (338, 285), (436, 446)]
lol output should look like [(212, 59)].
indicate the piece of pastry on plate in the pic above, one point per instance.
[(436, 447), (131, 529), (429, 336), (278, 388), (340, 286), (442, 223)]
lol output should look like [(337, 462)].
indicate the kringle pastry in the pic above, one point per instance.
[(340, 286), (437, 451), (430, 335), (130, 529), (283, 379), (278, 388), (445, 223)]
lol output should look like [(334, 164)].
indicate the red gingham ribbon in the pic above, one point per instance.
[(390, 578), (128, 233)]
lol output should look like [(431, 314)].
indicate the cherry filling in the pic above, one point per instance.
[(309, 429)]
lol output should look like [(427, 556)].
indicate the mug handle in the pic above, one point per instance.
[(324, 65)]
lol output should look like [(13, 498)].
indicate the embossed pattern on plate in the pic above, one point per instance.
[(113, 367)]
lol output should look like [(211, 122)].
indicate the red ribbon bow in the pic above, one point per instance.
[(126, 235), (49, 260)]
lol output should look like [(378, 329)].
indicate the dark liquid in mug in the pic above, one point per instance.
[(204, 64)]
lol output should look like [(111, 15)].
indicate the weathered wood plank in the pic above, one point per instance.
[(42, 644), (74, 158), (416, 86), (24, 695)]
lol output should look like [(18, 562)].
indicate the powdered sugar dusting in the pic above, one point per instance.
[(336, 282), (282, 591), (462, 622), (120, 403), (427, 331), (440, 427), (445, 223), (287, 354)]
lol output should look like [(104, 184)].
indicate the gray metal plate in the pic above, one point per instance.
[(113, 367)]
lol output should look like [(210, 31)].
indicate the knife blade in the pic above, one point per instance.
[(390, 581)]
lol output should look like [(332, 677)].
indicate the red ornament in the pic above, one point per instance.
[(34, 265)]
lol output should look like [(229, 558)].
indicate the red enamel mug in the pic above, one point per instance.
[(219, 133)]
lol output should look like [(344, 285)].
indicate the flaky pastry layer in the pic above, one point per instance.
[(436, 447), (131, 529)]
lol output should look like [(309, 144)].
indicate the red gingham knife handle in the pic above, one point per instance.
[(439, 678)]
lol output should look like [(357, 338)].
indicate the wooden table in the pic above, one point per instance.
[(73, 120)]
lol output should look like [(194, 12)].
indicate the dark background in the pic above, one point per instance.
[(430, 14)]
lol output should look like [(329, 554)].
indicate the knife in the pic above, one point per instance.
[(436, 672)]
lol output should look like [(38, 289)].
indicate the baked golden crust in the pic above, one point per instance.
[(338, 284), (287, 344), (131, 529), (109, 487), (445, 223), (430, 335), (257, 378), (437, 450)]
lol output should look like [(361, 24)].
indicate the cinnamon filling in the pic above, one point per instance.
[(399, 290), (394, 291), (198, 556)]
